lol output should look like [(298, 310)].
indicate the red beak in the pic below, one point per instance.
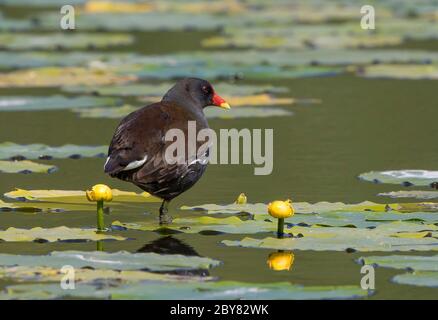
[(220, 102)]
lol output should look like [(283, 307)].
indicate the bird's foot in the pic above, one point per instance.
[(165, 219)]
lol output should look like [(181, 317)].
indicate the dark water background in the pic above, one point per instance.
[(361, 125)]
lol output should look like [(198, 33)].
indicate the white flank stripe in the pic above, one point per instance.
[(135, 164)]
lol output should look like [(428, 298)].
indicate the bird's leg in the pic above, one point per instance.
[(164, 217)]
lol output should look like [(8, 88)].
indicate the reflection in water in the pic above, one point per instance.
[(171, 245), (99, 245), (280, 260)]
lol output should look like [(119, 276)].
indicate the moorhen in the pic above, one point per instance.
[(137, 150)]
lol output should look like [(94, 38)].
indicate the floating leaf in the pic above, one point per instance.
[(112, 113), (54, 234), (189, 290), (419, 263), (417, 194), (145, 89), (424, 268), (136, 21), (20, 41), (384, 237), (247, 112), (25, 167), (203, 225), (404, 177), (259, 222), (24, 103), (121, 260), (418, 278), (86, 275), (297, 41), (55, 77), (400, 71), (37, 151), (40, 3), (212, 113), (319, 207), (75, 196)]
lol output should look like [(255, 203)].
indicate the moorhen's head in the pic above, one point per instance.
[(194, 92)]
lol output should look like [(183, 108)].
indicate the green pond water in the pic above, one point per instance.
[(361, 125)]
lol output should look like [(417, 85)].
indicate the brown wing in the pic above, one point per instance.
[(137, 150)]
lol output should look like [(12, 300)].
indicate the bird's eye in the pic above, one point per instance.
[(206, 89)]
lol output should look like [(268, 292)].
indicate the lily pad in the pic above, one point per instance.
[(211, 113), (54, 234), (418, 278), (417, 194), (145, 89), (25, 103), (10, 150), (26, 41), (403, 262), (400, 71), (25, 166), (319, 207), (190, 290), (75, 196), (136, 21), (55, 77), (87, 275), (121, 260), (203, 225), (247, 112), (393, 236), (403, 177), (423, 269)]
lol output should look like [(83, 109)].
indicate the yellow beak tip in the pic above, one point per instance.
[(225, 105)]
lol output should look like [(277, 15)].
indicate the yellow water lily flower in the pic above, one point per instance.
[(100, 192), (281, 209), (279, 261), (241, 199)]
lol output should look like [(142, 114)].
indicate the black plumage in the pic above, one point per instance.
[(137, 150)]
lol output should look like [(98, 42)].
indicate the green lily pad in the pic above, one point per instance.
[(26, 41), (403, 177), (56, 77), (417, 263), (121, 260), (247, 112), (36, 151), (24, 103), (211, 64), (392, 236), (211, 113), (400, 71), (259, 222), (227, 70), (418, 278), (54, 234), (225, 89), (319, 207), (417, 194), (423, 269), (25, 167), (203, 225), (75, 196), (190, 290), (136, 21), (40, 3), (86, 275)]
